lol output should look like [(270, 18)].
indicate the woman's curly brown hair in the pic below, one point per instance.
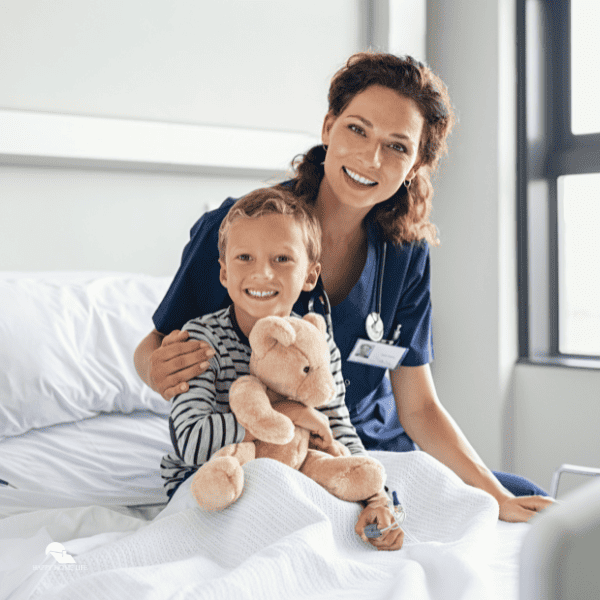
[(405, 216)]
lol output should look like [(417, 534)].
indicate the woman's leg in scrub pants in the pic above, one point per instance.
[(518, 485)]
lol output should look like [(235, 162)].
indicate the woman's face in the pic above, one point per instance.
[(373, 147)]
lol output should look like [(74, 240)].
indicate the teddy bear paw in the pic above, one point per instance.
[(274, 429), (350, 478), (361, 477), (218, 483)]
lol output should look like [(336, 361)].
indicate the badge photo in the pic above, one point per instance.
[(377, 354)]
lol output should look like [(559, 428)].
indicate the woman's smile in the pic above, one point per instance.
[(358, 178)]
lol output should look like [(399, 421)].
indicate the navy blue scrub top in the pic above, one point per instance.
[(196, 290)]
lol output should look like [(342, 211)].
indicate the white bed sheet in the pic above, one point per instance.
[(285, 537), (111, 460)]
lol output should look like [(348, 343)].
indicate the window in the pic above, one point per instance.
[(559, 180)]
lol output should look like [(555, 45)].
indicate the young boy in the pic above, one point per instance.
[(269, 248)]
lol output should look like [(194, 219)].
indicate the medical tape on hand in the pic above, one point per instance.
[(394, 525)]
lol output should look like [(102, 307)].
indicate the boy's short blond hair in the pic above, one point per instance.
[(273, 201)]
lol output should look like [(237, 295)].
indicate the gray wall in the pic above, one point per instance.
[(526, 419)]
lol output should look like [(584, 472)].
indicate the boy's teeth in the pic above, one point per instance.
[(258, 294), (358, 177)]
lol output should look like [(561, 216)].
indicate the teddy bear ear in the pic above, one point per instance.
[(268, 331), (317, 320)]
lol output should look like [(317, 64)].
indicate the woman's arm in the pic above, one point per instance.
[(430, 425), (167, 363)]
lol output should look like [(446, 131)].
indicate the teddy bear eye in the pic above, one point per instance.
[(306, 369)]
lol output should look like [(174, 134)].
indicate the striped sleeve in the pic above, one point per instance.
[(337, 411), (198, 427)]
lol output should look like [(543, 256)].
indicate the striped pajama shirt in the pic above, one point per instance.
[(201, 421)]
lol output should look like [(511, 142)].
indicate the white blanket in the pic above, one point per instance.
[(285, 538)]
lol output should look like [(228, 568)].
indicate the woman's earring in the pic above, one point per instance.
[(407, 183)]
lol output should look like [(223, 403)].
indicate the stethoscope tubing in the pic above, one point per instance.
[(327, 305)]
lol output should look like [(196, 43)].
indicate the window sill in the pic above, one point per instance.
[(569, 362)]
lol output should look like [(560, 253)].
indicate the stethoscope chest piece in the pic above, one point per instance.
[(373, 322), (374, 327)]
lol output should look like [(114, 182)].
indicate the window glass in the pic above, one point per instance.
[(579, 264), (585, 66)]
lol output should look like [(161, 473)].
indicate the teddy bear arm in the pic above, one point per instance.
[(308, 418), (350, 478), (335, 449), (250, 403)]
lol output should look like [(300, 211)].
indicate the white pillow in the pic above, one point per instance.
[(66, 347)]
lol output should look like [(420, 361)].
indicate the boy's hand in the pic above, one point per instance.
[(307, 418), (177, 361), (379, 512)]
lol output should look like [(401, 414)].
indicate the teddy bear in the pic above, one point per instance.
[(289, 370)]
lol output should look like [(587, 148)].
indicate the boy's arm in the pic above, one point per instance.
[(198, 429), (339, 418)]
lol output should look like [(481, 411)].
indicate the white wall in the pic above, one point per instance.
[(520, 418), (557, 411), (253, 63), (257, 64), (99, 220)]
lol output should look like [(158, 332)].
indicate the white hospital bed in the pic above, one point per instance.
[(80, 444)]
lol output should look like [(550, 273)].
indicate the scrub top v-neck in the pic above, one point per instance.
[(196, 290), (368, 393)]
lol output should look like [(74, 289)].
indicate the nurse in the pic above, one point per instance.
[(369, 183)]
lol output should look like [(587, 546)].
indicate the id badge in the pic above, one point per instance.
[(377, 354)]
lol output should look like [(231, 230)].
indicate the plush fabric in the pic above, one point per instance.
[(66, 347), (289, 366)]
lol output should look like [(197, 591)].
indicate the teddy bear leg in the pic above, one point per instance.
[(350, 478), (220, 482)]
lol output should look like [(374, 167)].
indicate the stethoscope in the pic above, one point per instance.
[(373, 322)]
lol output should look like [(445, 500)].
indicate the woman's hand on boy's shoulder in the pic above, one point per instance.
[(177, 361)]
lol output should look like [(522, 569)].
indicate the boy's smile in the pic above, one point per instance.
[(266, 267), (259, 294)]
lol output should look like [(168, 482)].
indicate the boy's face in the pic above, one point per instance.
[(266, 267)]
